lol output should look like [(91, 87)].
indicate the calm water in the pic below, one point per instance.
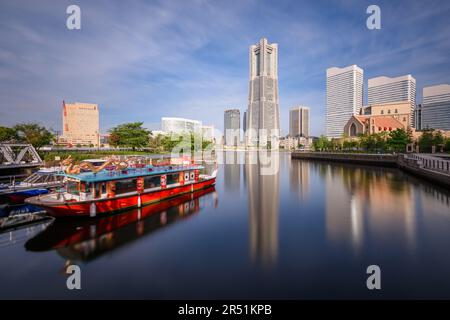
[(309, 231)]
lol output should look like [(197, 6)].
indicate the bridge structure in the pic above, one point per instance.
[(18, 156)]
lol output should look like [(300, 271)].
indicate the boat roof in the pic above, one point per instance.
[(109, 175)]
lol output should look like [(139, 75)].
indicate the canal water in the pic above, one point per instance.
[(308, 230)]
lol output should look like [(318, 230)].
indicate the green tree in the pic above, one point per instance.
[(321, 144), (34, 134), (447, 145), (7, 134), (438, 138), (426, 140), (131, 135), (397, 140)]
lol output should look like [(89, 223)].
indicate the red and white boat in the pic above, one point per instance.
[(88, 194)]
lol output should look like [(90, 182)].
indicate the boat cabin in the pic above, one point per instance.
[(111, 183)]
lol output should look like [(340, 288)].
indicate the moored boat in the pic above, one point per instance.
[(88, 194), (38, 183)]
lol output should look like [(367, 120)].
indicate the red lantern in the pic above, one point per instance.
[(140, 185)]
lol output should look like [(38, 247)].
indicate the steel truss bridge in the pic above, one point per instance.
[(18, 155)]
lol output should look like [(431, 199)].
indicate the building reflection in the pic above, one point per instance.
[(299, 178), (232, 171), (361, 203), (263, 203), (88, 239)]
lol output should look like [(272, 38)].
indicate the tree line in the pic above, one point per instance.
[(133, 135), (30, 132), (385, 142)]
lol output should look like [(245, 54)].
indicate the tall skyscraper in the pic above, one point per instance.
[(436, 107), (232, 126), (299, 122), (244, 122), (81, 124), (344, 98), (263, 105), (386, 90)]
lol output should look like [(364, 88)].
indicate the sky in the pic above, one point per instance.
[(143, 60)]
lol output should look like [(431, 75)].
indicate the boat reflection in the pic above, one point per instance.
[(85, 240)]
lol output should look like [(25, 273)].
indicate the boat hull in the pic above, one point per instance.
[(103, 207)]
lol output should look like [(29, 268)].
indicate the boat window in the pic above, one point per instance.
[(173, 178), (124, 186), (84, 187), (73, 187), (152, 181)]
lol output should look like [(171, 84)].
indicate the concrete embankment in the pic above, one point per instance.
[(388, 160)]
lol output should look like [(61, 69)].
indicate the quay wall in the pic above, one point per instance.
[(387, 160)]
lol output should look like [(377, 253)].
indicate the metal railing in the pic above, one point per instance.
[(430, 162)]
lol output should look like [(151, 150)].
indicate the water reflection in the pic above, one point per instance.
[(85, 240), (360, 203), (299, 178), (232, 171), (263, 203)]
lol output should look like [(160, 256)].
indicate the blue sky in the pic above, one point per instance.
[(141, 60)]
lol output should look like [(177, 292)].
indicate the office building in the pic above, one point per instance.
[(435, 110), (299, 122), (344, 98), (263, 107), (389, 90), (80, 124), (232, 127)]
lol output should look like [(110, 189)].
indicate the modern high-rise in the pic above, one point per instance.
[(387, 90), (232, 127), (180, 125), (263, 106), (344, 98), (436, 107), (81, 124), (299, 122)]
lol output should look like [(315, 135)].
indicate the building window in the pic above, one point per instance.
[(382, 111), (389, 111), (353, 130), (396, 111), (404, 119)]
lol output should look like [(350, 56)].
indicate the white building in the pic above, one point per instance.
[(180, 125), (299, 121), (208, 132), (435, 110), (344, 98), (263, 105), (383, 90)]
